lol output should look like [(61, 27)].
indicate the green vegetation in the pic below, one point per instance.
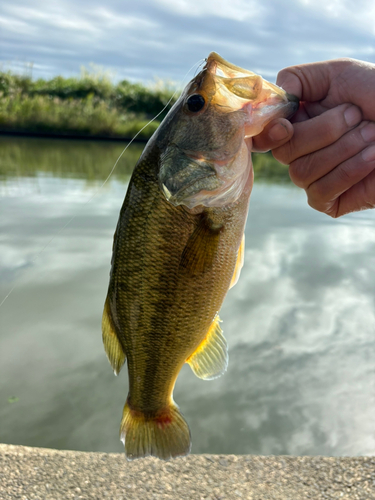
[(266, 168), (90, 105), (13, 399)]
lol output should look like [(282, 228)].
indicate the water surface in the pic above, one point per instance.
[(299, 323)]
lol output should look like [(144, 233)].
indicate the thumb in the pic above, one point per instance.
[(290, 82), (309, 82)]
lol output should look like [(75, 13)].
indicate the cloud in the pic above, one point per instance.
[(238, 10), (164, 39), (361, 15), (299, 324)]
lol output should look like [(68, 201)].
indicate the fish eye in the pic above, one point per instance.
[(195, 103)]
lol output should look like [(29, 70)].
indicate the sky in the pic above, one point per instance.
[(144, 40)]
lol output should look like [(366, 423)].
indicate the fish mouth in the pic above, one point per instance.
[(293, 104), (274, 105), (261, 100)]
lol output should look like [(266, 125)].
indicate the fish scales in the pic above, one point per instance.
[(178, 248), (149, 269)]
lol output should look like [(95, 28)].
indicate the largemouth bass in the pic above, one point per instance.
[(179, 247)]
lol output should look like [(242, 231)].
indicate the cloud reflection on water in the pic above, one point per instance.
[(299, 323)]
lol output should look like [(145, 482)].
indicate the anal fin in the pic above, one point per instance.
[(112, 346), (239, 263), (210, 360)]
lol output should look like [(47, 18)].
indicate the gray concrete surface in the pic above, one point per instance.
[(37, 473)]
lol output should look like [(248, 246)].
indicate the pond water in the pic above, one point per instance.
[(300, 323)]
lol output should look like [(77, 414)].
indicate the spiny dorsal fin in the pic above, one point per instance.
[(239, 263), (200, 250), (112, 346), (210, 360)]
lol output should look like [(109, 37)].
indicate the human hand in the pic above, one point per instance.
[(332, 152)]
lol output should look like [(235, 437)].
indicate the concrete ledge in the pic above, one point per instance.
[(37, 473)]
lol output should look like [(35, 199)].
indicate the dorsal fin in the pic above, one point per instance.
[(210, 360), (239, 263), (112, 346)]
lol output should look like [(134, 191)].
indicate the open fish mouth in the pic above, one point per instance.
[(236, 82), (283, 108), (263, 100)]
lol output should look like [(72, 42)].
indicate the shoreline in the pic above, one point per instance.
[(53, 135), (40, 473)]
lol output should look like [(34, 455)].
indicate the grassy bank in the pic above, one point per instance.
[(92, 106), (89, 105)]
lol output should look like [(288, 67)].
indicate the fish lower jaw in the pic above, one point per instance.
[(259, 116)]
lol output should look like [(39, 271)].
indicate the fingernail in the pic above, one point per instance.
[(352, 116), (368, 132), (368, 154), (278, 132)]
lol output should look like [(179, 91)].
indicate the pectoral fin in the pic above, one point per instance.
[(200, 250), (112, 346), (239, 263), (210, 360)]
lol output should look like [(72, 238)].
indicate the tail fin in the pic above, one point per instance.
[(165, 435)]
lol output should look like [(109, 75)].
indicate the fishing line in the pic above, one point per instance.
[(198, 64)]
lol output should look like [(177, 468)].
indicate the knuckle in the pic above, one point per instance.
[(312, 203), (368, 194), (350, 143), (343, 62), (332, 124), (328, 207), (345, 174), (317, 194), (333, 209), (295, 173), (300, 170), (333, 129), (280, 154), (284, 153)]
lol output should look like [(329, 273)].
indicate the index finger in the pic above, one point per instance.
[(318, 133)]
